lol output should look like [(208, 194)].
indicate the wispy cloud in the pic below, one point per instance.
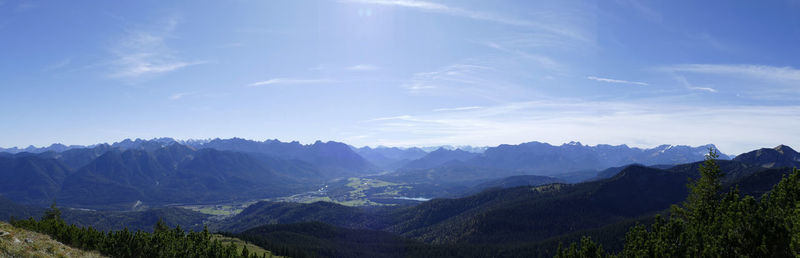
[(58, 65), (198, 94), (600, 79), (542, 60), (740, 70), (277, 81), (708, 89), (456, 109), (180, 95), (689, 86), (390, 118), (645, 11), (363, 67), (476, 15), (712, 42), (144, 52), (456, 73)]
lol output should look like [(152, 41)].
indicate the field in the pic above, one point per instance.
[(219, 211), (355, 192)]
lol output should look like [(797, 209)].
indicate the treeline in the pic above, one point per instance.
[(714, 224), (162, 242)]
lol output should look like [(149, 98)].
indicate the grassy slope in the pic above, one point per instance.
[(17, 242), (240, 243)]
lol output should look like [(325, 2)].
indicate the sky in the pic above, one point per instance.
[(402, 72)]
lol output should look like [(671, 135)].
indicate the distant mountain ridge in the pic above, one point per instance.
[(334, 159), (467, 148), (173, 174), (543, 157), (123, 145), (438, 158), (780, 156), (537, 158), (390, 158), (57, 147)]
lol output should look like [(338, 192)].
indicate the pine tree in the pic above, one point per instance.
[(160, 226), (53, 213), (245, 253)]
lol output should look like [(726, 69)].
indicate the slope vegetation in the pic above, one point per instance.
[(17, 242)]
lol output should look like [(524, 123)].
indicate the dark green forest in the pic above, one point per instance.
[(711, 223)]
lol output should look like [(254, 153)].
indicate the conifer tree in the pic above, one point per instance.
[(53, 213)]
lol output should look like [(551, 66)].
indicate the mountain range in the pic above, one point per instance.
[(162, 171), (519, 214)]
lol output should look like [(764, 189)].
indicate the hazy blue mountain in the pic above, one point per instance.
[(31, 179), (56, 147), (572, 162), (333, 159), (780, 156), (390, 158), (77, 157), (535, 158), (115, 177), (125, 144), (438, 158), (543, 158), (122, 179), (142, 144), (178, 174), (467, 148)]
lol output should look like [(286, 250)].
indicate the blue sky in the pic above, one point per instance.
[(402, 73)]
